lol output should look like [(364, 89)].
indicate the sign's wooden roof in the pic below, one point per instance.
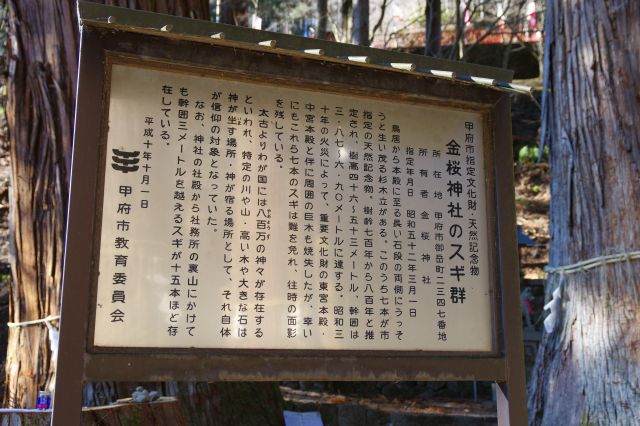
[(172, 27)]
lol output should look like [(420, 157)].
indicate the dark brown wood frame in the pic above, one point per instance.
[(80, 361)]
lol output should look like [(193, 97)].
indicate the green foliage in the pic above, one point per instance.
[(530, 154), (535, 189)]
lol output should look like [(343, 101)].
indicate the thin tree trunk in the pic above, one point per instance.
[(459, 43), (323, 13), (360, 29), (433, 30), (42, 61), (345, 20), (588, 368)]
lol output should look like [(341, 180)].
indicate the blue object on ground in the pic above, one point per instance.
[(524, 239), (311, 418)]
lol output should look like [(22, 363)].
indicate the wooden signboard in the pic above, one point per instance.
[(242, 212)]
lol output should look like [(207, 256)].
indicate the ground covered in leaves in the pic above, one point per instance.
[(532, 211)]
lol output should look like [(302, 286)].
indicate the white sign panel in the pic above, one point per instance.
[(248, 215)]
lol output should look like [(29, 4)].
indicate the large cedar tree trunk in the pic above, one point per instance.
[(588, 369), (42, 62)]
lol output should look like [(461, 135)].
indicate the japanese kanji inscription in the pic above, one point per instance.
[(238, 214)]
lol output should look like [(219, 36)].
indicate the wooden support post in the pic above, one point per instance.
[(67, 398), (510, 394)]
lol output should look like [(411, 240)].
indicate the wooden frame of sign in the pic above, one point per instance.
[(86, 353)]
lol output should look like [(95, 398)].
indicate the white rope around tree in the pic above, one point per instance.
[(33, 322), (593, 263), (54, 335), (582, 266)]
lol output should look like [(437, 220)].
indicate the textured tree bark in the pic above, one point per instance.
[(42, 63), (42, 59), (433, 30), (588, 369), (360, 29)]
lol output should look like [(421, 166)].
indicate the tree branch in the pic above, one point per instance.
[(376, 27)]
